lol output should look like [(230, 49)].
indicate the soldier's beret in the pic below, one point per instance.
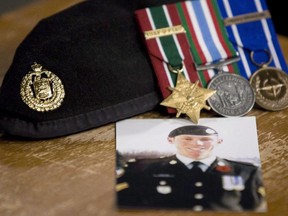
[(81, 68), (193, 130)]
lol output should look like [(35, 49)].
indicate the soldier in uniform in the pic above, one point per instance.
[(194, 178)]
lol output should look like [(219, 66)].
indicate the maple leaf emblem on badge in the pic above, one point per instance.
[(188, 98)]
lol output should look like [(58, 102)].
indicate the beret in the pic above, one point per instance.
[(80, 68), (199, 130)]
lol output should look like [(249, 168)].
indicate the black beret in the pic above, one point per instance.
[(95, 70), (199, 130)]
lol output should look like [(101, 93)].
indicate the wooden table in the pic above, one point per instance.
[(74, 175)]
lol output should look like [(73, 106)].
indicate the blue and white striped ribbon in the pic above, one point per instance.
[(205, 31), (252, 36)]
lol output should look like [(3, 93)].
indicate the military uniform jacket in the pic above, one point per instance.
[(167, 182)]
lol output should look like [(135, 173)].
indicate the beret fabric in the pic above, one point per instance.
[(199, 130), (97, 52)]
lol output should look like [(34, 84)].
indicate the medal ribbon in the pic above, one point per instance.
[(166, 50), (207, 35), (255, 35), (205, 42)]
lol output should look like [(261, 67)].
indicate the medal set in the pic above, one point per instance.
[(215, 61)]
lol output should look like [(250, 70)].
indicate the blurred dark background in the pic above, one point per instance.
[(279, 15), (278, 12)]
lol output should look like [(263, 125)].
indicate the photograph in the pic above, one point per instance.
[(214, 165)]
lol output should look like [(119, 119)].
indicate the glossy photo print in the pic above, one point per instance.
[(173, 163)]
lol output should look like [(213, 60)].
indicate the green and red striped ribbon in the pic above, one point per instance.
[(184, 48), (171, 50)]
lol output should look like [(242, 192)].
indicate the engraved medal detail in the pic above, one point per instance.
[(270, 85), (42, 90), (271, 88), (234, 97), (188, 98)]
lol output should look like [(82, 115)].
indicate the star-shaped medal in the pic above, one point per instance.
[(188, 98)]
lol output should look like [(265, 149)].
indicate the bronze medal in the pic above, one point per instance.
[(187, 97), (42, 90), (270, 87)]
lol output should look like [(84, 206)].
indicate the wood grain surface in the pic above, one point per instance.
[(74, 175)]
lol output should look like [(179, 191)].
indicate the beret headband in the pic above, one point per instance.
[(199, 130)]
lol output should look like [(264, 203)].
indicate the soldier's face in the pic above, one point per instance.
[(196, 147)]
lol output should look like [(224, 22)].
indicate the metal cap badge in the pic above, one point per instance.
[(42, 90)]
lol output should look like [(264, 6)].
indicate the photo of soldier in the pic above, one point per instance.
[(194, 177)]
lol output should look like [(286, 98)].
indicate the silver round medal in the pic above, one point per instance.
[(234, 96)]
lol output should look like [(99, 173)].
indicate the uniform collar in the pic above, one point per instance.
[(206, 162)]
